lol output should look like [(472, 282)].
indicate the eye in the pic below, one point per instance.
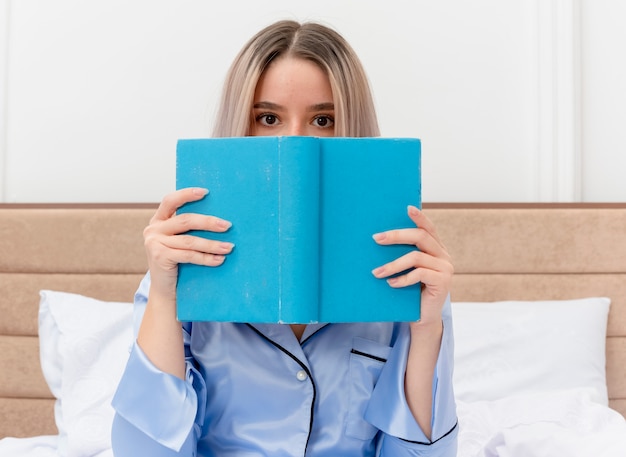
[(267, 119), (323, 121)]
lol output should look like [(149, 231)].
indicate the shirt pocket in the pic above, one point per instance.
[(367, 359)]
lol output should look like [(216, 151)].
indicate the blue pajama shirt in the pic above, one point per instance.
[(254, 390)]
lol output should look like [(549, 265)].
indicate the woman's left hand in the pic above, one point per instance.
[(429, 264)]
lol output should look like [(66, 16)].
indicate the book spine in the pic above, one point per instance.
[(298, 225)]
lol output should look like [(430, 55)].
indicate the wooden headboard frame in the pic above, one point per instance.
[(501, 252)]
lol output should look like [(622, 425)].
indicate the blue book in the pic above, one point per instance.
[(303, 210)]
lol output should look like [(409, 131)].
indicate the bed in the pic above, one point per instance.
[(539, 304)]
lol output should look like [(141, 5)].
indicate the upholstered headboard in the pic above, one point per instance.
[(92, 250), (501, 252)]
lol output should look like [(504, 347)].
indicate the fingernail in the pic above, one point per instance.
[(227, 246), (414, 211), (200, 192), (378, 271), (380, 236), (392, 281), (224, 224)]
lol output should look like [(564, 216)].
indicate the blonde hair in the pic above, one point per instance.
[(355, 114)]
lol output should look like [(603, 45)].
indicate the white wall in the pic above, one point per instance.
[(604, 100), (515, 100)]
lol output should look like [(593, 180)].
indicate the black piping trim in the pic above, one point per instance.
[(369, 356), (313, 334), (305, 368), (433, 442)]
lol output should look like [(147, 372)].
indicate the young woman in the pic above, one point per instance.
[(228, 389)]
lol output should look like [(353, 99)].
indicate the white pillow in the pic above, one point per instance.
[(516, 347), (84, 346)]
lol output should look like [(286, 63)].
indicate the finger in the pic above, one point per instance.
[(180, 256), (198, 244), (431, 279), (413, 236), (187, 249), (412, 260), (197, 258), (187, 222), (422, 221), (171, 202)]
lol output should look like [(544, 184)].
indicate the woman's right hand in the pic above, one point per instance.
[(167, 243)]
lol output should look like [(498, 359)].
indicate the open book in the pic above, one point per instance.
[(303, 210)]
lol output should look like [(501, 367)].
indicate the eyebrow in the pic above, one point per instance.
[(328, 106)]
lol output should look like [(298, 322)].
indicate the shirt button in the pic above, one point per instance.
[(301, 375)]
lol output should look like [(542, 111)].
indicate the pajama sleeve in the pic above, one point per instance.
[(157, 414), (388, 409)]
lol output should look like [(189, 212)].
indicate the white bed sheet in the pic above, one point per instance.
[(553, 424), (550, 424), (37, 446)]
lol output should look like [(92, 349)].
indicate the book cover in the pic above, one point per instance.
[(303, 210)]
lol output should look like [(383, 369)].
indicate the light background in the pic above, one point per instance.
[(514, 100)]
